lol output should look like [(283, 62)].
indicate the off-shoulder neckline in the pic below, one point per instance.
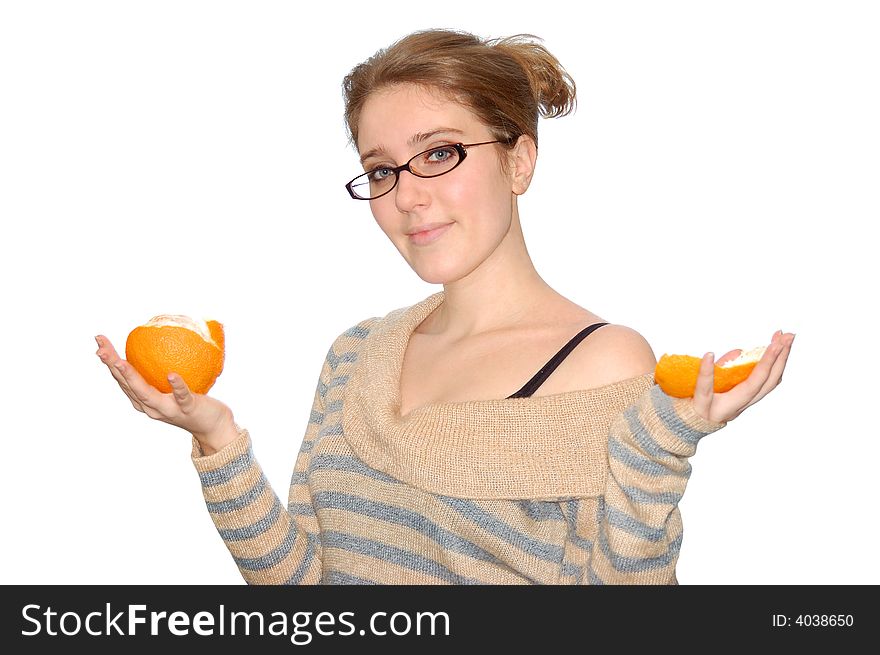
[(546, 446)]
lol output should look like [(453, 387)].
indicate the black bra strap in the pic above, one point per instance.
[(532, 385)]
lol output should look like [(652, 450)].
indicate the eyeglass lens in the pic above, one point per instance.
[(431, 163)]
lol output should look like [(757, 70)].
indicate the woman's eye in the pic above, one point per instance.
[(380, 174), (439, 155)]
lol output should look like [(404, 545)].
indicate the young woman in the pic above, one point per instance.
[(495, 432)]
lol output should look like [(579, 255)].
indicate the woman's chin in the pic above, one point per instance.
[(437, 274)]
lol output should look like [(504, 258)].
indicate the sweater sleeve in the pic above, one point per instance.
[(270, 543), (639, 531)]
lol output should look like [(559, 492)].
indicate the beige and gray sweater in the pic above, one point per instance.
[(580, 487)]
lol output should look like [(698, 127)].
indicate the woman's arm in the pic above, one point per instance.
[(639, 531), (271, 543)]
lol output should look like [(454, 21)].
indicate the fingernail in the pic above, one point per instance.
[(98, 341)]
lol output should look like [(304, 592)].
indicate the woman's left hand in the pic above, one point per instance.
[(766, 376)]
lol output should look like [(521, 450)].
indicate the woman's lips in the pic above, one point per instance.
[(428, 236)]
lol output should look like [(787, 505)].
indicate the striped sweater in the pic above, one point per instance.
[(580, 487)]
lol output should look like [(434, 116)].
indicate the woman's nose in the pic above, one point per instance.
[(411, 191)]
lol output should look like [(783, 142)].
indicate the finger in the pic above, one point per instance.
[(106, 352), (123, 385), (753, 385), (775, 377), (140, 390), (117, 370), (705, 388), (182, 394), (143, 396)]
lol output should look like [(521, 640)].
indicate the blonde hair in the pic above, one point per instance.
[(507, 82)]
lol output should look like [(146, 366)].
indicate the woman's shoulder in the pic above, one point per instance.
[(610, 354), (624, 349), (357, 331), (390, 320)]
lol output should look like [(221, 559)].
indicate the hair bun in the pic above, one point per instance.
[(509, 82), (553, 88)]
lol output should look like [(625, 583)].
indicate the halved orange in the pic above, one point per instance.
[(167, 343), (677, 374)]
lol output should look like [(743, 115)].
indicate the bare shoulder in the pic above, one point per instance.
[(609, 354)]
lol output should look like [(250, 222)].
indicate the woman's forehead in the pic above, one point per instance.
[(402, 115)]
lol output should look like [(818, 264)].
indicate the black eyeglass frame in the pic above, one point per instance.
[(461, 148)]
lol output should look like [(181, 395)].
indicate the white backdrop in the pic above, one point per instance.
[(719, 181)]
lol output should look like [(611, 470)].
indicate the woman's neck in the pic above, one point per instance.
[(504, 291)]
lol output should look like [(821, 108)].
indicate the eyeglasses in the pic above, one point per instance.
[(430, 163)]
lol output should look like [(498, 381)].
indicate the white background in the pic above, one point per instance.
[(719, 181)]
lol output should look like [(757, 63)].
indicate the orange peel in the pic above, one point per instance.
[(194, 349), (677, 374)]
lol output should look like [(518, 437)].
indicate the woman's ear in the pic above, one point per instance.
[(522, 158)]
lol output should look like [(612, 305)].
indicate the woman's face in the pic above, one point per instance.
[(473, 204)]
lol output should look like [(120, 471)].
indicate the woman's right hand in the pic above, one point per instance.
[(206, 418)]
